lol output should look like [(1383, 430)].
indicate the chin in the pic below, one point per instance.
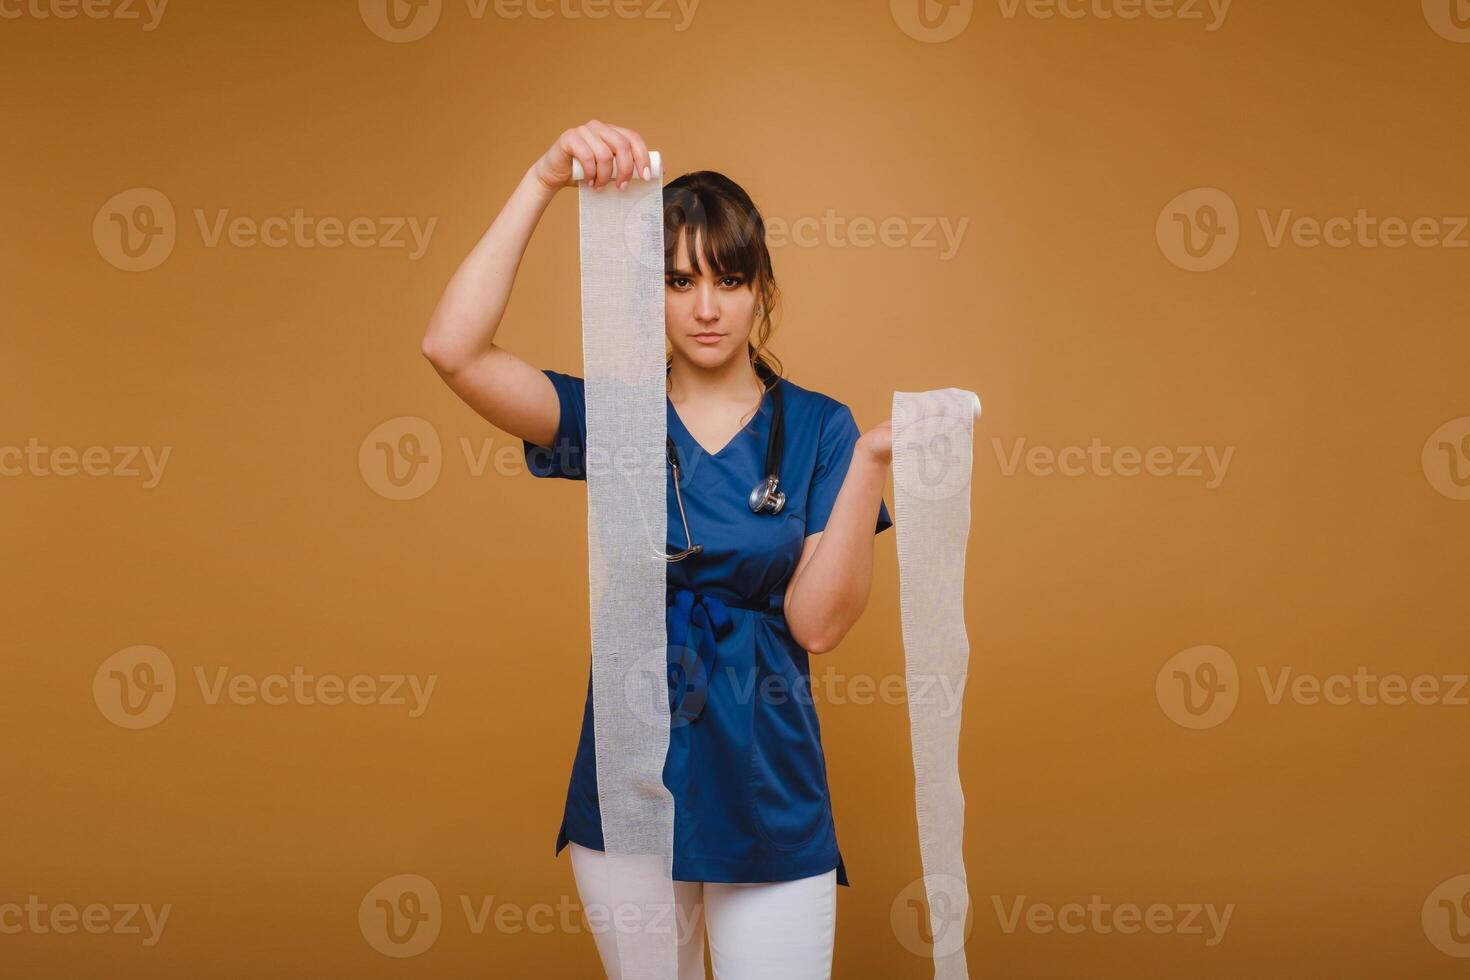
[(707, 357)]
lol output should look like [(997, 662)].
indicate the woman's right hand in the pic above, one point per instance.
[(598, 146)]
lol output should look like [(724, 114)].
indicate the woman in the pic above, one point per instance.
[(755, 848)]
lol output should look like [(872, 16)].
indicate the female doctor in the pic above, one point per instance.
[(756, 859)]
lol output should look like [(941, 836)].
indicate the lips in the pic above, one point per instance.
[(708, 338)]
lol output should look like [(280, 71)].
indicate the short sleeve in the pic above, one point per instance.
[(836, 443), (564, 458)]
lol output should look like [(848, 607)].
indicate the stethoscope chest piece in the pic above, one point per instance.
[(766, 498)]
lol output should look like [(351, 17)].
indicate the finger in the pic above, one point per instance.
[(604, 156), (641, 160), (622, 149), (593, 132), (581, 150)]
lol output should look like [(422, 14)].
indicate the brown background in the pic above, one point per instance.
[(264, 547)]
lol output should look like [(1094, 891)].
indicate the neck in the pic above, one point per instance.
[(734, 381)]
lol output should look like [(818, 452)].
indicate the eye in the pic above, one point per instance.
[(678, 282), (736, 280)]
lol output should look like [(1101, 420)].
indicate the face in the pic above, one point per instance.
[(708, 318)]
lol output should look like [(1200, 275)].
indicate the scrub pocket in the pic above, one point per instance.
[(788, 774)]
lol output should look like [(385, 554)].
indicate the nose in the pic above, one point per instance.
[(706, 305)]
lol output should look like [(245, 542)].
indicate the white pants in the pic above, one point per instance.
[(777, 930)]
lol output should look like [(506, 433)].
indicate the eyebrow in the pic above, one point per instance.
[(686, 274)]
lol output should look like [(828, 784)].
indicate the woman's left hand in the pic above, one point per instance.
[(878, 442)]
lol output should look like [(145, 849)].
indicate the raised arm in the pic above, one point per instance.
[(829, 588), (460, 339)]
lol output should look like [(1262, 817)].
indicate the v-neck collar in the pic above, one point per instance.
[(747, 427)]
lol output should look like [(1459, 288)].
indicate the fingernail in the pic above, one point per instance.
[(647, 174)]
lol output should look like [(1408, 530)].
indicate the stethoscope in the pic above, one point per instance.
[(766, 497)]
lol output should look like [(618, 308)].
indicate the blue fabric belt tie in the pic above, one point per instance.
[(691, 666)]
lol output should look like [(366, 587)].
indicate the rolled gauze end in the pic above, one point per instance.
[(655, 166), (933, 464), (621, 243)]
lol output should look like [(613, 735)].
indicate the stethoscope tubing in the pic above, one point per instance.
[(766, 497)]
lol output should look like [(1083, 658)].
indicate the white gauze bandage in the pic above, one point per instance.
[(933, 455), (626, 467), (622, 242)]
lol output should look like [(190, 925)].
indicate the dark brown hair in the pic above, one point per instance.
[(716, 213)]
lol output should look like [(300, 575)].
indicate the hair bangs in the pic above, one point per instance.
[(727, 238)]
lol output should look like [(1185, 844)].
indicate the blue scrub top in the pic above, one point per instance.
[(746, 771)]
